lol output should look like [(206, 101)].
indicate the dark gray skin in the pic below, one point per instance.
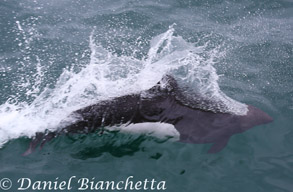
[(161, 104)]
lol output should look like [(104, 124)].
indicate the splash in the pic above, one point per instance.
[(107, 76)]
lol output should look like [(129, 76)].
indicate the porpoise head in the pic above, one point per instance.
[(254, 117)]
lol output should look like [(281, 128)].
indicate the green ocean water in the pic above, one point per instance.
[(249, 42)]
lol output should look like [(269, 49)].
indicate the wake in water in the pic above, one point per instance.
[(107, 76)]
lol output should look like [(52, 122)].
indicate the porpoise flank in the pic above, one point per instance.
[(161, 103)]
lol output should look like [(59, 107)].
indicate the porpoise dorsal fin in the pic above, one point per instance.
[(169, 85), (166, 85)]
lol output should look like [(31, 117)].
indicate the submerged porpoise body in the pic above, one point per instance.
[(162, 103)]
